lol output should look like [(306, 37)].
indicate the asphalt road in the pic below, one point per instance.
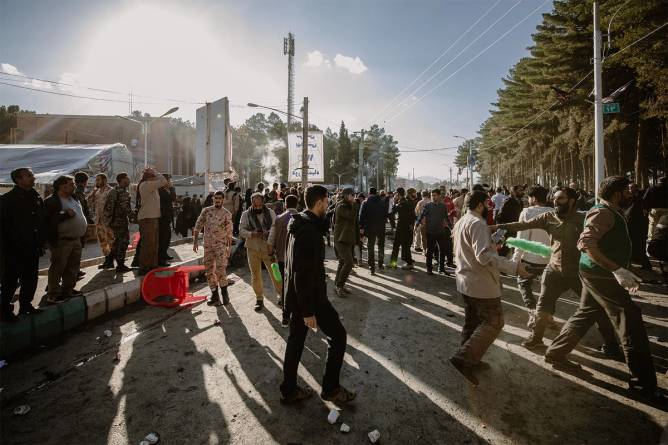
[(178, 373)]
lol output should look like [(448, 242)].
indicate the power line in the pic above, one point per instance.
[(434, 62), (489, 28), (58, 93), (101, 90), (467, 63)]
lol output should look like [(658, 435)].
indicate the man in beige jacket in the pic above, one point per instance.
[(148, 202), (255, 226)]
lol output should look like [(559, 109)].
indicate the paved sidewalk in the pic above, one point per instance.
[(99, 278)]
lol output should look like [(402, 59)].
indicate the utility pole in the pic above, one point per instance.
[(305, 144), (208, 148), (377, 175), (599, 156), (451, 176), (470, 163), (289, 50), (360, 162)]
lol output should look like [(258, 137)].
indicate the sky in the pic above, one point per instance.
[(353, 58)]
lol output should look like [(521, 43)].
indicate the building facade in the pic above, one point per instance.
[(171, 147)]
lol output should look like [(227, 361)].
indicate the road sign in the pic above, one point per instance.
[(612, 107)]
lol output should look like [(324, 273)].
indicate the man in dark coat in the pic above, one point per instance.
[(345, 238), (403, 237), (373, 215), (167, 198), (22, 243), (306, 302)]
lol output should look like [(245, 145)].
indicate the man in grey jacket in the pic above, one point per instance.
[(478, 280), (278, 241)]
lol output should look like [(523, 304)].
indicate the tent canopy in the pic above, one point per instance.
[(50, 161)]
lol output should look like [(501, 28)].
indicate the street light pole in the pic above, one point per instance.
[(599, 156), (146, 126)]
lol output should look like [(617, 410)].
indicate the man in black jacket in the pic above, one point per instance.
[(306, 301), (404, 235), (167, 198), (373, 215), (22, 232), (511, 208)]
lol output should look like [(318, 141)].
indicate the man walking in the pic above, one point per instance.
[(278, 240), (344, 239), (606, 256), (419, 233), (117, 208), (373, 214), (478, 281), (255, 226), (149, 218), (67, 225), (105, 236), (434, 218), (404, 233), (216, 223), (22, 243), (564, 226), (498, 199), (307, 303), (537, 206)]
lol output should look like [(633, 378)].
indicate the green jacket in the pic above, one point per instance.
[(615, 244), (344, 223)]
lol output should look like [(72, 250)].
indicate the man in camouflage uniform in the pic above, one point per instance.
[(117, 208), (216, 222), (105, 236)]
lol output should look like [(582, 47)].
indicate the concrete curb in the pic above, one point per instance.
[(57, 319), (100, 259)]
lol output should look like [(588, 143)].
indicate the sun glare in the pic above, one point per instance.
[(153, 49)]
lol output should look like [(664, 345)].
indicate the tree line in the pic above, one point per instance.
[(541, 127), (260, 150)]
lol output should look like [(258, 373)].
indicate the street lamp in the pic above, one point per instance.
[(468, 160), (146, 127), (252, 105)]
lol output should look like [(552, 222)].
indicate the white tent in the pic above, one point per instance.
[(50, 161)]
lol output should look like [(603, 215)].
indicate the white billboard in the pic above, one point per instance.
[(316, 172), (212, 123)]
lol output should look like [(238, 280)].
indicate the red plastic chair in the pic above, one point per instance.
[(168, 286)]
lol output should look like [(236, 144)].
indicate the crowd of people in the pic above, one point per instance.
[(284, 229)]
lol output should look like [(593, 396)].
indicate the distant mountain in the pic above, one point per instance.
[(429, 179)]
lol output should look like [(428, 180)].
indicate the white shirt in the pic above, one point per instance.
[(539, 235), (498, 200), (478, 264)]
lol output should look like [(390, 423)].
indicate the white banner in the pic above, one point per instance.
[(220, 137), (316, 162)]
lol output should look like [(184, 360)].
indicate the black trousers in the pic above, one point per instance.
[(376, 238), (441, 242), (402, 239), (19, 269), (281, 268), (330, 324), (604, 297), (164, 238)]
